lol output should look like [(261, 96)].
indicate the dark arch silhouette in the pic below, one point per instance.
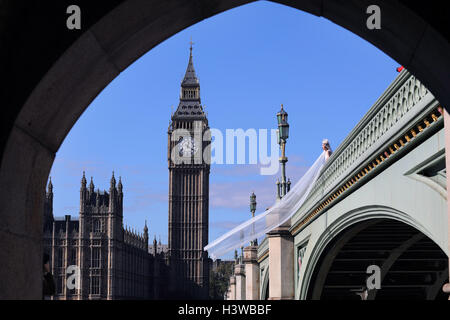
[(53, 74), (412, 266)]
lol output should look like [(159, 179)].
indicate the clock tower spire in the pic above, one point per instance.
[(189, 107), (188, 140)]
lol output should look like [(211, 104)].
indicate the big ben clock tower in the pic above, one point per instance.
[(188, 159)]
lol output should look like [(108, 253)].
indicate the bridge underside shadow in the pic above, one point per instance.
[(412, 265)]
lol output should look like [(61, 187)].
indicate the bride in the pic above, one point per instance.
[(276, 215), (326, 147)]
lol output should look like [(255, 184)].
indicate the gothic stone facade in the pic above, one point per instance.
[(188, 192), (115, 263)]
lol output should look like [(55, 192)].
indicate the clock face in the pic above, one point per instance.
[(187, 147)]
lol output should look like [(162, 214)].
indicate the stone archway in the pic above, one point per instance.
[(44, 111), (412, 265)]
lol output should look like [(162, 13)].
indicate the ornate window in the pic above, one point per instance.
[(60, 260), (97, 225), (96, 258), (95, 285), (73, 256), (60, 285), (190, 94)]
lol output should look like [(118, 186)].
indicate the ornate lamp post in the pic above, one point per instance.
[(253, 210), (283, 135)]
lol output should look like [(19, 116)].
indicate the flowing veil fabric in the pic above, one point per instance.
[(275, 216)]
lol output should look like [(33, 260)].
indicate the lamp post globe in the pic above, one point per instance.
[(283, 125)]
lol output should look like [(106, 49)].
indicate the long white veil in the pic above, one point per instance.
[(275, 216)]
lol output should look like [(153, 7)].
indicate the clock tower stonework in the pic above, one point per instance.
[(189, 154)]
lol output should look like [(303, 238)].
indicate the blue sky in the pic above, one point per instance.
[(249, 60)]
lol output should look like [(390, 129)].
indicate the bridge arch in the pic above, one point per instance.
[(380, 236), (80, 68)]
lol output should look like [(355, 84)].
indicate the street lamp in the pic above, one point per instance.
[(283, 135), (283, 125), (253, 210)]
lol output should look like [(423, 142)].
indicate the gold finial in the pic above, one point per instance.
[(191, 43), (281, 107)]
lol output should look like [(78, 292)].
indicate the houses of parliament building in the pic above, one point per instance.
[(114, 262), (117, 263)]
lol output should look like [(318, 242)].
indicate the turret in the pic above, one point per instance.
[(91, 186), (155, 246), (48, 207), (120, 195), (83, 192), (120, 186), (113, 182), (97, 198), (50, 194), (146, 236), (190, 86), (112, 194), (190, 107), (83, 181), (50, 186)]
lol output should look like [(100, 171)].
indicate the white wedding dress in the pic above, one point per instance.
[(275, 216)]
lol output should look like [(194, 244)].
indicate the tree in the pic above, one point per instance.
[(219, 277)]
